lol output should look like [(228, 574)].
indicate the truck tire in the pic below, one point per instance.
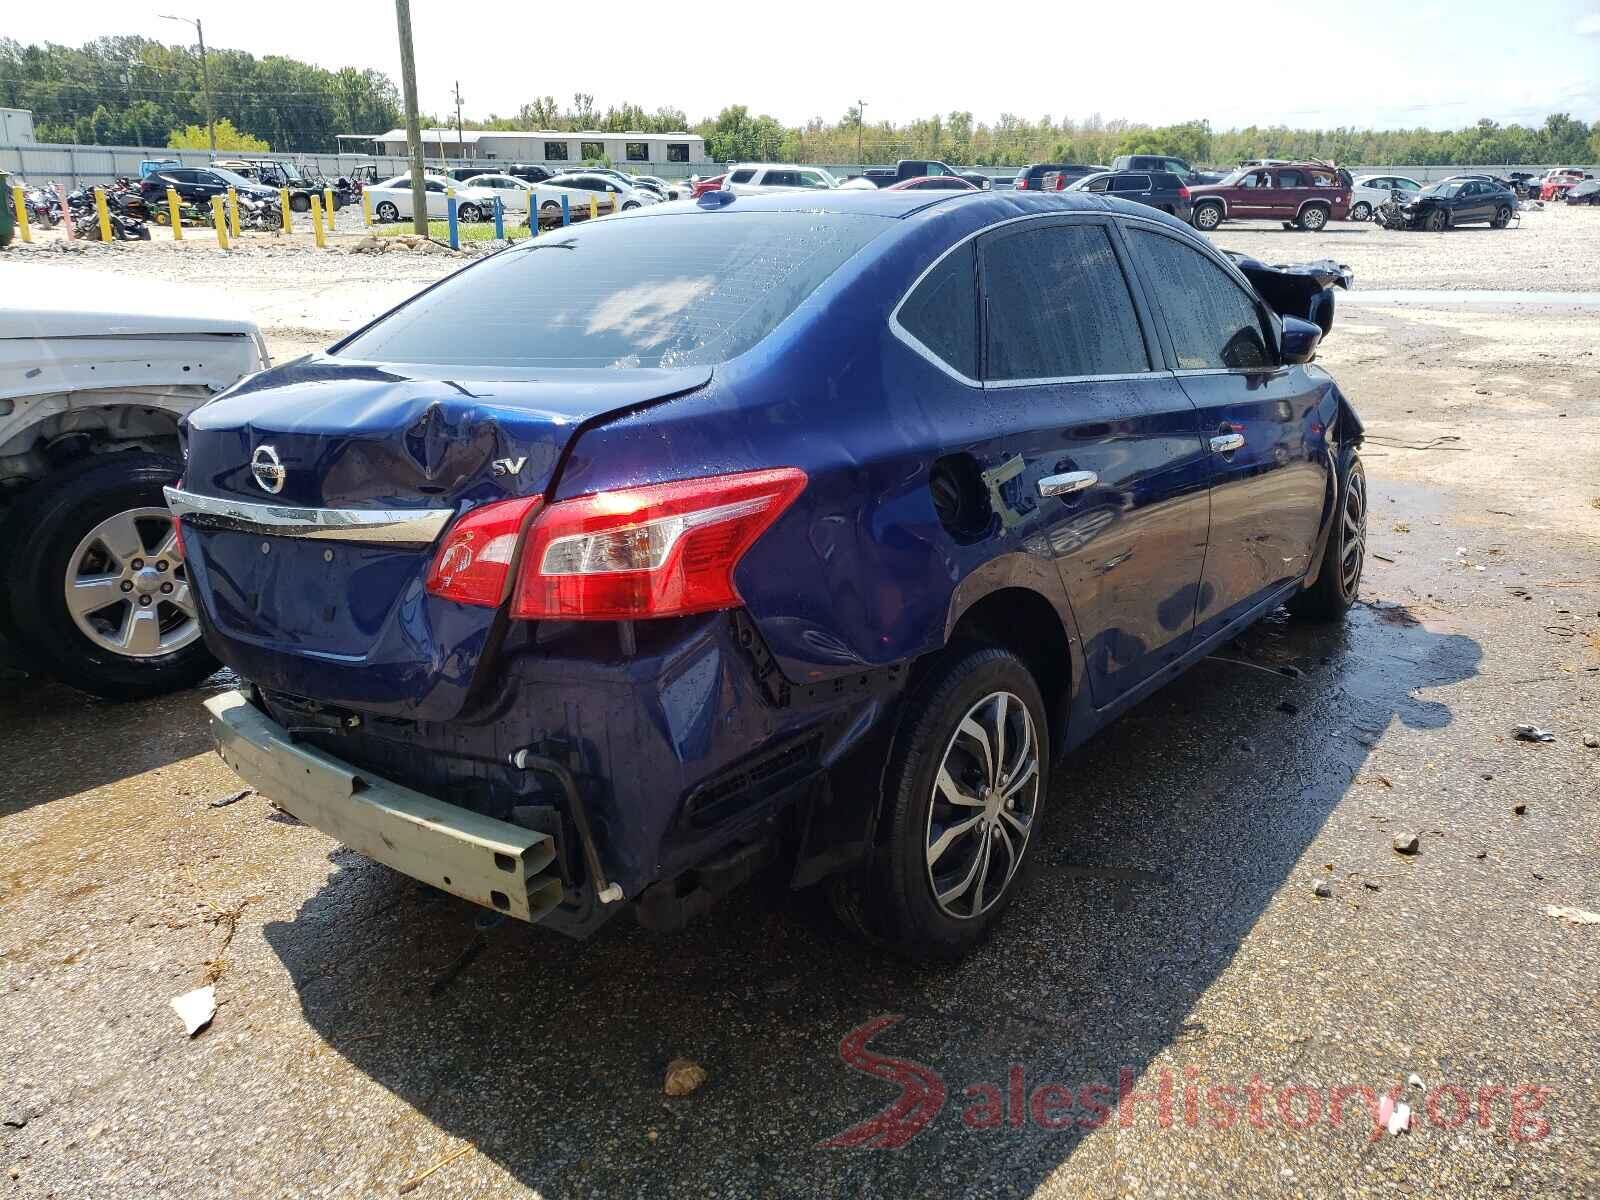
[(1207, 216), (1339, 581), (1312, 218), (97, 591), (961, 800)]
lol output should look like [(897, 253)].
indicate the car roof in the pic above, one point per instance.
[(983, 207)]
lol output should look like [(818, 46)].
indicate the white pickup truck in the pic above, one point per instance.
[(95, 374)]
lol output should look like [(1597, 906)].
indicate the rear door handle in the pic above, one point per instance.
[(1065, 485), (1227, 443)]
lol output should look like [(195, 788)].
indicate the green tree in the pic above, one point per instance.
[(196, 137)]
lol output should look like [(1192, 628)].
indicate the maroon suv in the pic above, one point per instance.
[(1305, 194)]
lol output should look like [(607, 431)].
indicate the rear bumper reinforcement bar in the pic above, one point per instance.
[(493, 863)]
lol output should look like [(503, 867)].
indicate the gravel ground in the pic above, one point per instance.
[(368, 1030)]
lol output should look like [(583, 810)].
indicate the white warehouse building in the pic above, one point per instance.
[(553, 146)]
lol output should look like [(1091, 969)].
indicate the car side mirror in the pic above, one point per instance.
[(1299, 342)]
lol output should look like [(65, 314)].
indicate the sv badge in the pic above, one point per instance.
[(509, 466)]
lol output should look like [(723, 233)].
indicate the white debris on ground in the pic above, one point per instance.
[(195, 1009)]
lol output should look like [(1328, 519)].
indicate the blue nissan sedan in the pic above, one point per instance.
[(800, 532)]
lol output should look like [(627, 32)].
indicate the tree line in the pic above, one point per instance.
[(133, 91)]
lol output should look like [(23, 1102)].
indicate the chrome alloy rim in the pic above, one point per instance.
[(985, 799), (1354, 553), (127, 589)]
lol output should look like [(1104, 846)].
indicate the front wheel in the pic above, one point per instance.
[(98, 591), (387, 212), (1207, 217), (468, 213), (964, 789), (1339, 581), (300, 203), (1361, 212), (1436, 221)]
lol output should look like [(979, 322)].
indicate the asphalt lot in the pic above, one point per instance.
[(368, 1029)]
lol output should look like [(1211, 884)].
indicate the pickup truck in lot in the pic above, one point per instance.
[(921, 168), (1304, 195)]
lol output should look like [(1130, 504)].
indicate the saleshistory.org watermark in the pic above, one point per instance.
[(1168, 1098)]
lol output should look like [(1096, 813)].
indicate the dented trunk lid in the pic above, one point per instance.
[(345, 619)]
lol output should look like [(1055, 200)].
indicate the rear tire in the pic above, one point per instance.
[(1312, 218), (1361, 212), (300, 203), (1502, 217), (947, 799), (1339, 581), (48, 532), (1207, 217)]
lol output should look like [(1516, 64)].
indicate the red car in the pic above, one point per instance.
[(1305, 194), (1555, 183), (932, 183), (707, 185)]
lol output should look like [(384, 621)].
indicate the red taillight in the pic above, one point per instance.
[(473, 565), (1183, 191), (661, 551), (1022, 183)]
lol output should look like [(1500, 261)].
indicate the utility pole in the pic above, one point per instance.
[(408, 84), (861, 124), (205, 78), (461, 148)]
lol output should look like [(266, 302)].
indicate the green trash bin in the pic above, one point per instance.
[(6, 224)]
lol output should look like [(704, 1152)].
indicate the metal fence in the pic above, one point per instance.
[(74, 165)]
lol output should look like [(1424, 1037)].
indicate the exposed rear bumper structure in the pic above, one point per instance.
[(493, 863)]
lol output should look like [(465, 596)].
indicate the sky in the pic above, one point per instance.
[(1363, 63)]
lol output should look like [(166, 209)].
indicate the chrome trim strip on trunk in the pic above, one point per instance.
[(383, 526)]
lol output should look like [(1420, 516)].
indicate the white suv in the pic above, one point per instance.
[(750, 179)]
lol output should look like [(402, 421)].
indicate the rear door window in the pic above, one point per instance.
[(623, 294), (1058, 305), (1213, 322), (942, 311), (743, 176), (1131, 183)]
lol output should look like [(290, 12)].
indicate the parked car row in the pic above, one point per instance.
[(475, 198)]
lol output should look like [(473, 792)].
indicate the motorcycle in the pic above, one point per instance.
[(1391, 214), (260, 213)]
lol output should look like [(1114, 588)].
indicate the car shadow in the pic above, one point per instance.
[(42, 724), (1167, 837)]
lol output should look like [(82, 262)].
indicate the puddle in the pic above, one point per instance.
[(1472, 299)]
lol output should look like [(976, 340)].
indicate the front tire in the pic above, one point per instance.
[(98, 593), (1207, 217), (1361, 212), (300, 203), (1436, 221), (963, 793), (1339, 581), (387, 212), (468, 213)]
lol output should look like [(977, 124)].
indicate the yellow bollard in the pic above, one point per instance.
[(316, 221), (283, 200), (233, 211), (594, 206), (331, 206), (19, 202), (219, 218), (175, 211), (366, 206), (104, 213)]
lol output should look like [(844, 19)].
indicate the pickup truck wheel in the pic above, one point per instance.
[(1339, 581), (1207, 216), (1312, 218), (964, 789), (387, 212), (98, 592), (1361, 212)]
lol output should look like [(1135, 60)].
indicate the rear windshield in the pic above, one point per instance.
[(652, 291)]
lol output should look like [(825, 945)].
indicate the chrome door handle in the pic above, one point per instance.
[(1065, 485), (1227, 443)]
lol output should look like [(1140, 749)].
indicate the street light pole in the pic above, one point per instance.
[(205, 78), (408, 85), (861, 124)]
